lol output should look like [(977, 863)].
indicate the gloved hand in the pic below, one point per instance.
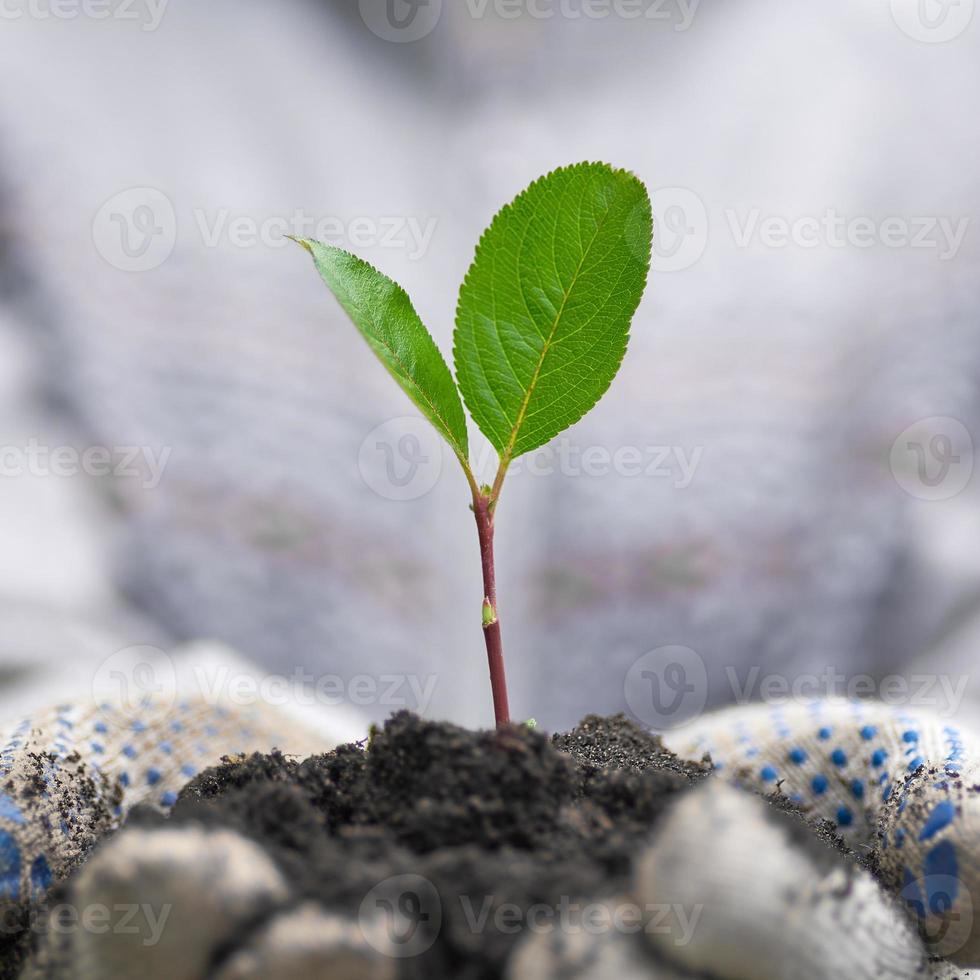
[(900, 787), (897, 786)]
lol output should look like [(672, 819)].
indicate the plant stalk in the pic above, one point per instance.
[(483, 507)]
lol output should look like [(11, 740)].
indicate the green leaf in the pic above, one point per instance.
[(384, 314), (544, 311)]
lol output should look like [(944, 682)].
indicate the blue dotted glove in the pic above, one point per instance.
[(897, 785)]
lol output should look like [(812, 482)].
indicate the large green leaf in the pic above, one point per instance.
[(384, 314), (544, 312)]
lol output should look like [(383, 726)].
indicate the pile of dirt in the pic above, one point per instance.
[(485, 819), (482, 820)]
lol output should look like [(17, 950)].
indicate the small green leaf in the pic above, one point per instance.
[(544, 311), (384, 314)]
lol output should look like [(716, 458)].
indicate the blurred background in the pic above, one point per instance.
[(195, 443)]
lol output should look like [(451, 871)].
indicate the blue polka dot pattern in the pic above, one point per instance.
[(9, 866), (891, 779), (122, 761), (9, 810), (941, 817), (40, 876)]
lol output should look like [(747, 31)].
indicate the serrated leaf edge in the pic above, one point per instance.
[(506, 452)]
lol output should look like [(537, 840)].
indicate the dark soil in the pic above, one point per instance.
[(489, 818)]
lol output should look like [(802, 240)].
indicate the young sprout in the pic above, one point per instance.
[(542, 324)]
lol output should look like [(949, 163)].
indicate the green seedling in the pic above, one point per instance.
[(542, 324)]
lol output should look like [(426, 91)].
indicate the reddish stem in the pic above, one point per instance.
[(483, 509)]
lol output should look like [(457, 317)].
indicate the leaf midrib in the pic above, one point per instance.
[(507, 454)]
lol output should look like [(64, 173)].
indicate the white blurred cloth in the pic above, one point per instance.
[(786, 372)]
